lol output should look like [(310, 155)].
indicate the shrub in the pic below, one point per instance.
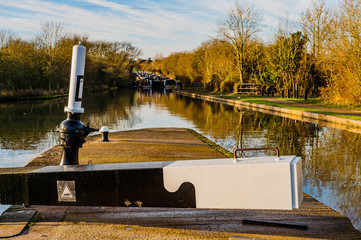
[(227, 86)]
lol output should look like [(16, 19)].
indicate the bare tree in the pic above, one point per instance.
[(317, 24), (216, 61), (51, 34), (158, 56), (238, 28), (47, 41), (6, 37), (347, 53)]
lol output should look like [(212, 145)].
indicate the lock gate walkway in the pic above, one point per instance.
[(74, 222)]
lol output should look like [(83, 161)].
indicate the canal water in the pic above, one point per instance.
[(331, 157)]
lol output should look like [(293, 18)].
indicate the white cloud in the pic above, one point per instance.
[(167, 25)]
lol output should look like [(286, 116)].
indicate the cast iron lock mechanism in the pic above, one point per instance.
[(72, 136), (72, 131)]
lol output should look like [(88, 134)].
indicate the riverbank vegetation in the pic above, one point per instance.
[(319, 56), (41, 66)]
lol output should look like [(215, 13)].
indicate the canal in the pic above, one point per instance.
[(331, 157)]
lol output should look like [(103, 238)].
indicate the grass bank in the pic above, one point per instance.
[(211, 144), (30, 98), (23, 96), (295, 107), (315, 105)]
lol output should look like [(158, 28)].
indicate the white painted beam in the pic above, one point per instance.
[(249, 183)]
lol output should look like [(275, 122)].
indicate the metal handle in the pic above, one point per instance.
[(255, 149)]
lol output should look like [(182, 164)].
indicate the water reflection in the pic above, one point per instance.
[(331, 156), (331, 163), (24, 125), (27, 129)]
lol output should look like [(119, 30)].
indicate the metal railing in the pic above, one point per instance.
[(255, 149)]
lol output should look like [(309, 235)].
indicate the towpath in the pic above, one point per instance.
[(315, 107)]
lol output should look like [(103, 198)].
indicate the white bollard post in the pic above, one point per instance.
[(72, 131), (105, 133), (76, 80)]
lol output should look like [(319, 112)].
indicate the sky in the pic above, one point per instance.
[(154, 26)]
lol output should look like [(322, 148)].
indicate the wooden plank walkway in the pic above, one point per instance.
[(169, 223)]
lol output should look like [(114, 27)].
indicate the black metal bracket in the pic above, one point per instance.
[(274, 224)]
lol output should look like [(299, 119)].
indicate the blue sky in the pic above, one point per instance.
[(155, 26)]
